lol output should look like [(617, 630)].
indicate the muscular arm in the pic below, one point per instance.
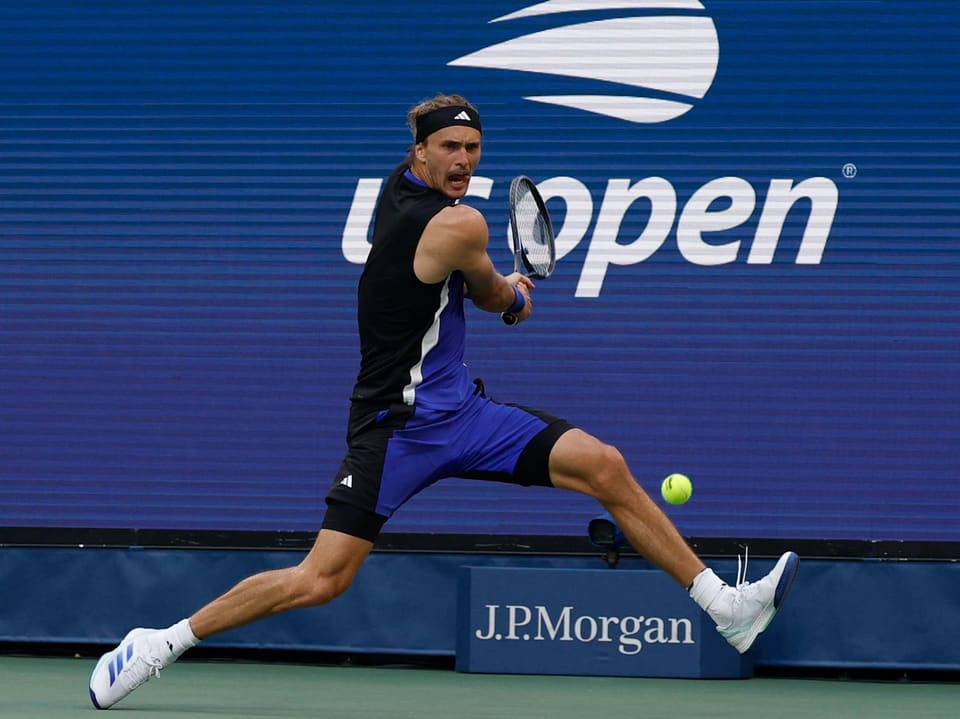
[(456, 239)]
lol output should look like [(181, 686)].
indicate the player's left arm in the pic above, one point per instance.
[(456, 239)]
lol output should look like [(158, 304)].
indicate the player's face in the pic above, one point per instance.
[(448, 158)]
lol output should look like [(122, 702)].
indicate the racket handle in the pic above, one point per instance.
[(509, 317)]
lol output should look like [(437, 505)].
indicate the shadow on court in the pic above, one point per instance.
[(55, 688)]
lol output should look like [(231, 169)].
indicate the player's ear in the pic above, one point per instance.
[(420, 152)]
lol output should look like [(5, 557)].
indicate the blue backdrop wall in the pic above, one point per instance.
[(757, 214)]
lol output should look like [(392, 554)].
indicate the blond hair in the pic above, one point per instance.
[(434, 103)]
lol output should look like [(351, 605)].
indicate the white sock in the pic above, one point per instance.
[(177, 639), (706, 587)]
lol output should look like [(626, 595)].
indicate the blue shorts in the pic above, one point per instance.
[(397, 452)]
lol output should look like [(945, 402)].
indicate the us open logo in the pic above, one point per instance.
[(669, 50), (672, 57)]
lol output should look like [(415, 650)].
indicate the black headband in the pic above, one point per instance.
[(442, 117)]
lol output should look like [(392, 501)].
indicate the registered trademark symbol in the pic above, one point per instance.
[(849, 170)]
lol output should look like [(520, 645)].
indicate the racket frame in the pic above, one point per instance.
[(520, 261)]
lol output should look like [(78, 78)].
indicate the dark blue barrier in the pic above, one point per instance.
[(840, 614)]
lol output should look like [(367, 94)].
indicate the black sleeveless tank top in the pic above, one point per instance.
[(411, 334)]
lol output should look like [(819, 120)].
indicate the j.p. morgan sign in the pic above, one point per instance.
[(586, 622)]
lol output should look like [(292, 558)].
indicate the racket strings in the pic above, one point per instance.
[(535, 234)]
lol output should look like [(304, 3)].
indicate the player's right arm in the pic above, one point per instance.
[(456, 239)]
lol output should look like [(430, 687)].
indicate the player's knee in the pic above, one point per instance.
[(314, 590), (331, 587), (609, 473)]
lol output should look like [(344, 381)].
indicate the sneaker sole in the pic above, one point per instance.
[(788, 564), (132, 634), (791, 565)]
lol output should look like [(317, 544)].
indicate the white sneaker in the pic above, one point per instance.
[(120, 671), (743, 612)]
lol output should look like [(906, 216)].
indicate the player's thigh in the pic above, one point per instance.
[(336, 555), (582, 463)]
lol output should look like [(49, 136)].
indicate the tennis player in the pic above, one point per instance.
[(417, 416)]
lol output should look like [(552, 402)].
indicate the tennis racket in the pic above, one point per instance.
[(534, 247)]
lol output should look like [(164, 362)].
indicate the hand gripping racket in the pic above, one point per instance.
[(534, 247)]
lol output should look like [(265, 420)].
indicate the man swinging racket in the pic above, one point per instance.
[(417, 417)]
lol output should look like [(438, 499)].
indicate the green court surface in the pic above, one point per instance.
[(54, 687)]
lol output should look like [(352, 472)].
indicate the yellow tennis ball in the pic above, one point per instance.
[(676, 488)]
